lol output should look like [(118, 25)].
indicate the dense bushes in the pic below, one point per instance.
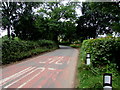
[(75, 45), (13, 50), (103, 51)]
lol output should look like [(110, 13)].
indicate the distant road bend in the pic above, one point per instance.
[(54, 69)]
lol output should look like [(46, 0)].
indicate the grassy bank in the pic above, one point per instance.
[(104, 59), (16, 50), (92, 77)]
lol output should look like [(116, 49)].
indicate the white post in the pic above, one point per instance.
[(107, 81), (88, 59)]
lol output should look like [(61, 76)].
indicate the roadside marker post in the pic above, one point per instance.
[(107, 81), (88, 59)]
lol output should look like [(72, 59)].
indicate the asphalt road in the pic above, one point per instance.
[(54, 69)]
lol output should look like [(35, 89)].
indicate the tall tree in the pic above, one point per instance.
[(96, 19), (9, 14), (25, 25), (54, 12), (112, 9), (12, 11)]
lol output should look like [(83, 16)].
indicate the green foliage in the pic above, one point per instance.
[(90, 77), (53, 24), (75, 45), (96, 17), (103, 51), (116, 27), (64, 43), (29, 31), (107, 8), (14, 50), (12, 11)]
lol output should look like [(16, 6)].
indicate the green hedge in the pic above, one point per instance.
[(75, 45), (103, 51), (64, 43), (13, 50)]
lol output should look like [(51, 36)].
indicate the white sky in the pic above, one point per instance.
[(3, 33)]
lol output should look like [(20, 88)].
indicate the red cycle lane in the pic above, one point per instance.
[(52, 70)]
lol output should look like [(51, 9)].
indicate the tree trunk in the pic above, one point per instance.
[(8, 32)]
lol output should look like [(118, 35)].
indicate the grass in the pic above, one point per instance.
[(92, 77)]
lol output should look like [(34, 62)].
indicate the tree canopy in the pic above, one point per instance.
[(13, 11), (98, 18), (54, 20)]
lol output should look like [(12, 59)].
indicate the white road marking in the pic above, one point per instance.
[(68, 61), (53, 59), (42, 62), (16, 74), (46, 61), (20, 78), (58, 62), (32, 78), (51, 68)]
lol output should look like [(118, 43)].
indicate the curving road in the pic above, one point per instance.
[(55, 69)]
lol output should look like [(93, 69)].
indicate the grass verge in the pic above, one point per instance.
[(92, 77)]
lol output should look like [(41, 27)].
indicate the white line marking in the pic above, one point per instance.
[(16, 74), (46, 61), (31, 78), (58, 62), (20, 78), (42, 62), (68, 61), (51, 69), (54, 59)]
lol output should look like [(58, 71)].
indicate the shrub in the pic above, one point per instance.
[(64, 43), (13, 50), (103, 51), (75, 45), (104, 58)]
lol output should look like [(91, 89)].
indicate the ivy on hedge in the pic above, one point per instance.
[(103, 51), (13, 50)]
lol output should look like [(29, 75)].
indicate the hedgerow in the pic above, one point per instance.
[(105, 54), (13, 50), (103, 51)]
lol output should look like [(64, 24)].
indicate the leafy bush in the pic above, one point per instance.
[(14, 50), (64, 43), (75, 45), (103, 51), (77, 42), (104, 58)]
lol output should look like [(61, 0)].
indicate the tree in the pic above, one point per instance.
[(109, 8), (9, 14), (25, 26), (96, 19), (53, 13), (12, 11), (45, 25)]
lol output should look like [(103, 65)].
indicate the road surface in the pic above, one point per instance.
[(55, 69)]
